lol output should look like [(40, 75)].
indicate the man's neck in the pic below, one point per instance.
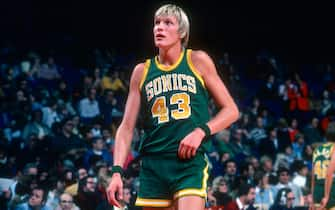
[(170, 56)]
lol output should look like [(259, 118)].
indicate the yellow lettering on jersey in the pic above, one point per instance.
[(160, 110), (184, 108), (320, 169)]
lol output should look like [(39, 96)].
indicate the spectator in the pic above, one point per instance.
[(270, 146), (230, 173), (36, 126), (23, 183), (222, 140), (257, 133), (81, 174), (221, 191), (37, 200), (307, 156), (89, 107), (265, 192), (66, 143), (97, 77), (269, 89), (268, 169), (97, 152), (285, 200), (284, 159), (298, 146), (303, 101), (107, 106), (88, 197), (50, 114), (247, 173), (300, 175), (312, 132), (326, 103), (244, 200), (56, 189), (238, 146), (283, 134), (284, 182), (49, 71), (66, 202), (112, 81), (293, 130)]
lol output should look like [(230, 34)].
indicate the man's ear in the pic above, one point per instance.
[(182, 35)]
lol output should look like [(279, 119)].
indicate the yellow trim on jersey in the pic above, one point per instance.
[(153, 202), (191, 191), (193, 69), (145, 72), (169, 68)]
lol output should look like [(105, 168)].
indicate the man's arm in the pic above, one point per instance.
[(312, 188), (124, 134), (228, 110), (329, 180)]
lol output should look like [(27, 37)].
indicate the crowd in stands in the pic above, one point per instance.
[(57, 127)]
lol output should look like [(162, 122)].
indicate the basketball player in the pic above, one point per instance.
[(172, 92)]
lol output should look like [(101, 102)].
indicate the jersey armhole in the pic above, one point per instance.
[(193, 69), (145, 72)]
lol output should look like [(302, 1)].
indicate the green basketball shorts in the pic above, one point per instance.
[(165, 178)]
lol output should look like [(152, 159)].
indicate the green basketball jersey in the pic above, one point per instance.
[(321, 159), (174, 101)]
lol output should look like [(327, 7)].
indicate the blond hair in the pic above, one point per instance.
[(184, 24)]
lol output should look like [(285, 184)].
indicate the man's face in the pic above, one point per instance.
[(284, 177), (91, 184), (36, 198), (268, 165), (166, 31), (99, 144), (68, 126), (126, 195), (82, 173), (32, 171), (290, 199), (66, 202), (231, 168), (251, 196)]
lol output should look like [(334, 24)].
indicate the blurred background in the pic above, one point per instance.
[(296, 32)]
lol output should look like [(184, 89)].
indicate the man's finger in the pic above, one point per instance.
[(181, 151), (111, 198)]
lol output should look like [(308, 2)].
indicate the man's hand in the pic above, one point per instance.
[(323, 203), (115, 190), (189, 145)]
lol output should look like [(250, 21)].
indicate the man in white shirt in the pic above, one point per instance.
[(284, 181), (89, 106)]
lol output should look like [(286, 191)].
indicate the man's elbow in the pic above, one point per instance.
[(235, 113)]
